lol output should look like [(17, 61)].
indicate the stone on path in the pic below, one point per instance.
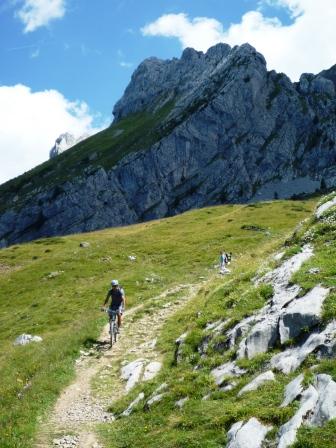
[(247, 435), (257, 382)]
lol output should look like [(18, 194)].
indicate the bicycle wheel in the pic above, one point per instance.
[(115, 335), (111, 332)]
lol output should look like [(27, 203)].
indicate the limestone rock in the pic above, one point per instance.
[(132, 372), (25, 339), (289, 360), (303, 312), (180, 403), (225, 371), (287, 432), (151, 370), (247, 435), (155, 399), (293, 390), (130, 408), (324, 207), (257, 382)]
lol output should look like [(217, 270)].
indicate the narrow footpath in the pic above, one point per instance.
[(84, 403)]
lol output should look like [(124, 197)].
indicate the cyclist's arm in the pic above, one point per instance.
[(107, 298)]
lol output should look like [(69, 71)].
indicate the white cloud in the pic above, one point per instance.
[(31, 121), (125, 64), (305, 45), (37, 13)]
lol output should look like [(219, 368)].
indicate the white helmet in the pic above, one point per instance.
[(114, 283)]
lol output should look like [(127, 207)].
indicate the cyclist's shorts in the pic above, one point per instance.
[(118, 310)]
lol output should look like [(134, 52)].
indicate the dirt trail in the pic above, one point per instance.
[(84, 403)]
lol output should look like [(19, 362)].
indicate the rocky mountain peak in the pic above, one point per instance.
[(156, 81), (63, 142)]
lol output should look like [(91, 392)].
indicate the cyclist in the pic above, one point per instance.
[(118, 300)]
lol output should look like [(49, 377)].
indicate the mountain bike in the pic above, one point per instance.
[(113, 325)]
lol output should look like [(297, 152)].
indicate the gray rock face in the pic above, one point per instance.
[(248, 435), (235, 133), (317, 406), (282, 317), (293, 390), (289, 360), (304, 312)]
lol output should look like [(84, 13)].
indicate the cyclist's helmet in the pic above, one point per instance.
[(114, 283)]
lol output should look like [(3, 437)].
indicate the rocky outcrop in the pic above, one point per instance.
[(247, 435), (64, 142), (235, 133), (317, 406)]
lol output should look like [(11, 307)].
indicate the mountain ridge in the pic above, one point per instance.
[(200, 130)]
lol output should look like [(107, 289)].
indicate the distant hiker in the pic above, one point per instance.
[(118, 300), (223, 261)]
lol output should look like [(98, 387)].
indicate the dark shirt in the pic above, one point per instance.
[(117, 297)]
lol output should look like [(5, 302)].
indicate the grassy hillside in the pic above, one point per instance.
[(204, 423), (53, 288)]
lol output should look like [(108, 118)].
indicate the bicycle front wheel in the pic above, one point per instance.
[(112, 325)]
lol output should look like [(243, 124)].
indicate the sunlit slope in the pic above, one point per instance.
[(53, 288)]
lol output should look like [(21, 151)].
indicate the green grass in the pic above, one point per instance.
[(205, 423), (64, 311)]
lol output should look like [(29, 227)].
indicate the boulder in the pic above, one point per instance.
[(132, 372), (151, 370), (289, 360), (261, 338), (287, 432), (326, 405), (247, 435), (25, 339), (302, 313)]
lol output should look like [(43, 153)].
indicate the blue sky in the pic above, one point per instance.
[(66, 62)]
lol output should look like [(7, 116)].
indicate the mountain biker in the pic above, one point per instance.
[(118, 300)]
